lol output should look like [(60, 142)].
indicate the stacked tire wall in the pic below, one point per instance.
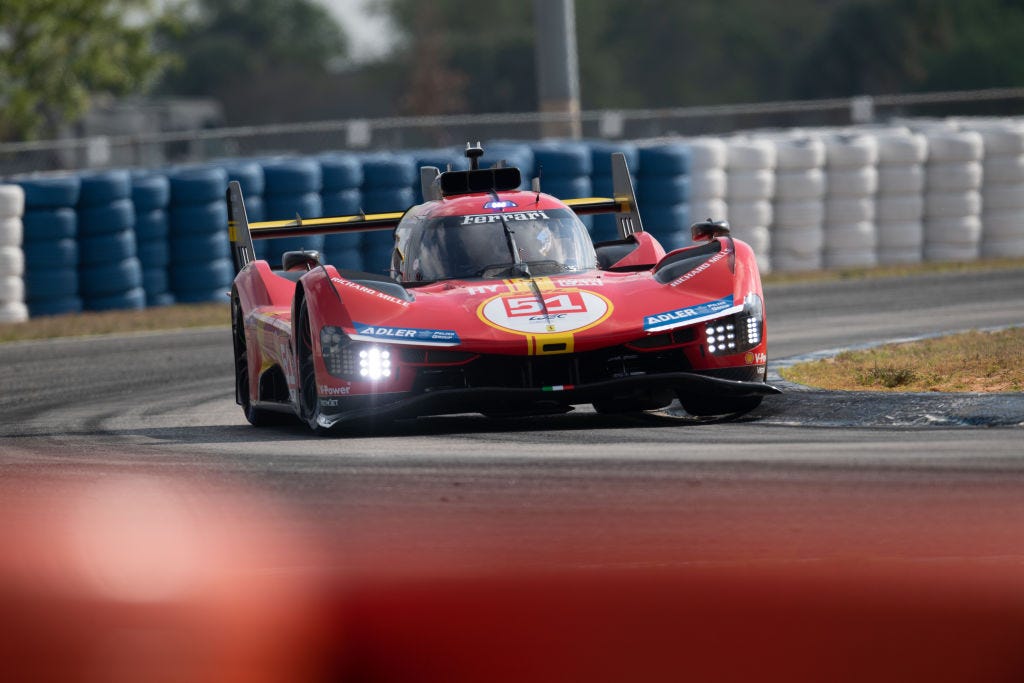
[(388, 185), (708, 180), (12, 258), (292, 191), (899, 209), (50, 244), (952, 203), (750, 188), (798, 230), (109, 270), (200, 255), (1002, 199), (565, 170), (851, 177), (151, 195), (342, 177), (663, 193)]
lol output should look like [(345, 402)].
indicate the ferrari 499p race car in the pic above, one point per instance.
[(497, 302)]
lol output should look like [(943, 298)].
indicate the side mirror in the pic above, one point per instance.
[(708, 230)]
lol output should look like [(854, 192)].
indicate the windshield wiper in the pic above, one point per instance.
[(522, 266)]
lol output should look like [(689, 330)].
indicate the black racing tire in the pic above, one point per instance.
[(706, 407), (257, 417), (309, 397)]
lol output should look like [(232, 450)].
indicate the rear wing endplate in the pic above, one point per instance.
[(627, 215)]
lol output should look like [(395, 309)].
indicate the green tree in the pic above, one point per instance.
[(56, 55), (222, 42)]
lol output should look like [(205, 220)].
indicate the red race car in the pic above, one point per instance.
[(497, 303)]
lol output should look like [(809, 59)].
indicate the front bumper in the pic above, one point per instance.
[(535, 400)]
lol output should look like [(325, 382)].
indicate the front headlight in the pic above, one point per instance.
[(738, 332), (350, 360)]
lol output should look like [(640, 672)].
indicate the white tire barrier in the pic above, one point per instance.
[(749, 214), (900, 180), (707, 184), (952, 201), (751, 185), (749, 190), (1002, 194), (715, 209), (12, 257), (797, 231), (851, 183), (707, 154), (905, 238), (746, 154), (898, 209), (899, 205)]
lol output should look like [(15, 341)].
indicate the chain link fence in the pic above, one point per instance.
[(191, 146)]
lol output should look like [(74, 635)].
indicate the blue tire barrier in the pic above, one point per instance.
[(249, 175), (259, 250), (562, 159), (150, 191), (255, 210), (152, 226), (601, 157), (198, 219), (104, 219), (663, 190), (105, 187), (670, 159), (161, 299), (388, 172), (665, 219), (153, 254), (109, 279), (197, 248), (567, 188), (342, 203), (340, 172), (61, 253), (155, 280), (388, 200), (197, 282), (198, 185), (54, 283), (377, 259), (50, 193), (280, 207), (60, 306), (101, 249), (345, 259), (131, 299), (515, 154), (291, 177), (46, 225)]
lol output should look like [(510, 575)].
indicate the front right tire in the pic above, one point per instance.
[(309, 395)]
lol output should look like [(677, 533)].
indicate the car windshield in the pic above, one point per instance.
[(538, 242)]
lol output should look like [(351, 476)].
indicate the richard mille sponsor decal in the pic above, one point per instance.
[(416, 335), (565, 311), (690, 314), (476, 219), (370, 291), (701, 268)]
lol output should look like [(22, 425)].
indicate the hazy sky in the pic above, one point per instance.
[(369, 34)]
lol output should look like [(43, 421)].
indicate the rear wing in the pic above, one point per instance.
[(241, 232)]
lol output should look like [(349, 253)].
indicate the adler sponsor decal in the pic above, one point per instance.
[(701, 268), (416, 335), (478, 219), (690, 314)]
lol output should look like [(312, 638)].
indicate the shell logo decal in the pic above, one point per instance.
[(553, 312)]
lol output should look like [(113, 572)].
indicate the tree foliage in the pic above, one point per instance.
[(56, 55), (222, 42)]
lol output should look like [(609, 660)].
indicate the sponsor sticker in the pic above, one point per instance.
[(701, 268), (690, 314), (416, 335), (751, 358), (370, 291)]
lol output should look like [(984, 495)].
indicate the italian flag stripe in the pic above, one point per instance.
[(559, 387)]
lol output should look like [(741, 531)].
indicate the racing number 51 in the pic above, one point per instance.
[(570, 302)]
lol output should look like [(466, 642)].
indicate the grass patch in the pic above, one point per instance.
[(107, 322), (968, 362)]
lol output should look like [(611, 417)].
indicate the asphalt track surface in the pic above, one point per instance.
[(808, 477)]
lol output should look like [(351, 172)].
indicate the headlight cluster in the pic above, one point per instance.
[(739, 332), (346, 359)]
